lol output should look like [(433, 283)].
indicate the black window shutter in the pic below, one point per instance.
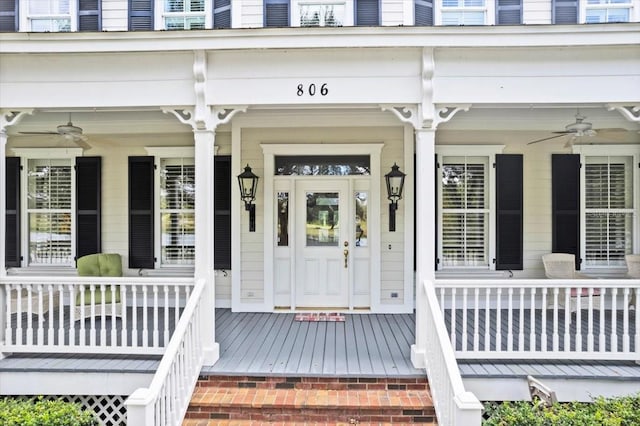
[(565, 11), (141, 200), (221, 14), (140, 15), (509, 246), (89, 18), (424, 12), (12, 213), (565, 204), (222, 207), (276, 13), (508, 12), (88, 205), (8, 16), (367, 12)]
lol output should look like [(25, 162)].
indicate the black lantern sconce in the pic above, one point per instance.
[(248, 182), (395, 184)]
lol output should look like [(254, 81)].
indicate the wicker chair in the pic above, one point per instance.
[(562, 266), (633, 271)]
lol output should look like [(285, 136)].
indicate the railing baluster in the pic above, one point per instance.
[(83, 330), (590, 336), (453, 318), (92, 307), (567, 320), (602, 342), (176, 312), (499, 320), (145, 316), (165, 290), (72, 315), (134, 316), (556, 320), (103, 314), (510, 320), (532, 320), (614, 320), (61, 326), (8, 335), (114, 323), (625, 320), (465, 293), (543, 333), (521, 321), (156, 334), (578, 347), (476, 319), (29, 316), (487, 319), (19, 315), (124, 336)]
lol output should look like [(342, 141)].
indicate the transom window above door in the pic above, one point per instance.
[(322, 165)]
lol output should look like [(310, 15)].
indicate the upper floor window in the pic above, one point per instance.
[(148, 15), (59, 15), (321, 13), (183, 14), (463, 12), (599, 11)]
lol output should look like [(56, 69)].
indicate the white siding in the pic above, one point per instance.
[(536, 12), (393, 12), (251, 13), (114, 15)]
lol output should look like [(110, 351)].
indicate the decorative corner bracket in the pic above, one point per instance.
[(11, 118), (631, 113), (215, 117), (405, 113), (446, 113)]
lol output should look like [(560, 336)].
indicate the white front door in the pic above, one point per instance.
[(323, 227)]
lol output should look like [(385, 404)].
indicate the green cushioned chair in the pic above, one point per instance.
[(99, 265)]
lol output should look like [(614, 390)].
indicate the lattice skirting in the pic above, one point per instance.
[(110, 409)]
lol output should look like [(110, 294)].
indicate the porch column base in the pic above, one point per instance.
[(211, 354), (417, 357)]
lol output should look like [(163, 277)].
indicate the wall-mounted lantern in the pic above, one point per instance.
[(395, 184), (248, 182)]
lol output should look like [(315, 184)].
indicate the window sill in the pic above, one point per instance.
[(167, 272)]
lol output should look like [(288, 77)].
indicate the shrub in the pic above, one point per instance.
[(622, 411), (18, 412)]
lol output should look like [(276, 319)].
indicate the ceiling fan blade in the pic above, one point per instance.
[(39, 133), (549, 138)]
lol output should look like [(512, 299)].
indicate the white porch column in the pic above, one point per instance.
[(425, 233), (204, 170), (3, 232)]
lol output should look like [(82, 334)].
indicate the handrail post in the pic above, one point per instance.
[(469, 412), (140, 408)]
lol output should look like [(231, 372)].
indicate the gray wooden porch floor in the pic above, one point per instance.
[(374, 345)]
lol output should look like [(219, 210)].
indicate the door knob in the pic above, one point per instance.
[(346, 257)]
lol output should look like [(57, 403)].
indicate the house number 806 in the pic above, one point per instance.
[(313, 90)]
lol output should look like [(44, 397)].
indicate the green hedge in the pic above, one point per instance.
[(623, 411), (18, 412)]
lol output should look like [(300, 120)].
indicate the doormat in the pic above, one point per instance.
[(320, 316)]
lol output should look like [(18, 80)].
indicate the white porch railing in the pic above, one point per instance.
[(454, 406), (542, 319), (124, 315), (166, 400)]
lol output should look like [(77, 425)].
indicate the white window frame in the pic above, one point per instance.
[(632, 5), (25, 155), (489, 10), (348, 10), (26, 17), (609, 151), (160, 153), (160, 14), (489, 151)]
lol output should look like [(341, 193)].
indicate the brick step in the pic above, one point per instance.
[(311, 405), (200, 422), (319, 383)]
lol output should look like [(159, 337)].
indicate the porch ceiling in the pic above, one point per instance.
[(531, 121)]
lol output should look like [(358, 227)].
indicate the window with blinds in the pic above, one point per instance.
[(601, 11), (463, 12), (177, 211), (49, 210), (608, 210), (50, 15), (184, 14), (465, 212)]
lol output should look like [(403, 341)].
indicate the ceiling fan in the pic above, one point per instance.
[(577, 129), (68, 131)]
